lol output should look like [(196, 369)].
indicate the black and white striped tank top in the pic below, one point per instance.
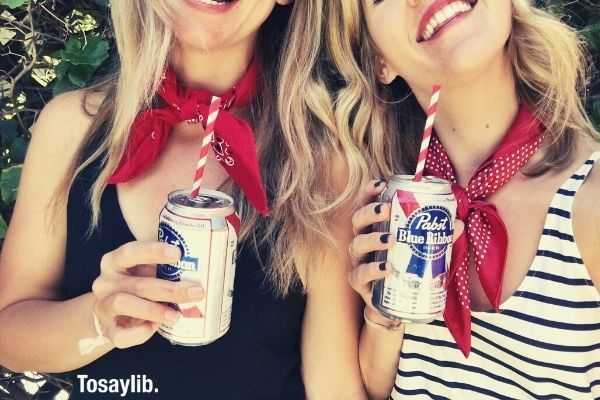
[(543, 344)]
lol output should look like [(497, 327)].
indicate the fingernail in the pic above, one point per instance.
[(195, 292), (379, 182), (378, 208), (172, 316), (385, 238), (382, 266)]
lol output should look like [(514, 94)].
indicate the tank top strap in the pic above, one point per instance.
[(565, 195)]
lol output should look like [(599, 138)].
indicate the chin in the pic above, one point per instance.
[(468, 60), (205, 39)]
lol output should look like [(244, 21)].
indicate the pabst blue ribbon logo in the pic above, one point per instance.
[(428, 232), (167, 234)]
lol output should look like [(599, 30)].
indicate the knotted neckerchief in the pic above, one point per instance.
[(485, 240)]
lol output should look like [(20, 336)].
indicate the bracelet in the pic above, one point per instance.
[(393, 327), (88, 345)]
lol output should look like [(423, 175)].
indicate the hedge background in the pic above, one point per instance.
[(50, 46)]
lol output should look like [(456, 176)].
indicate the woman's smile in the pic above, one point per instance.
[(441, 15), (213, 6)]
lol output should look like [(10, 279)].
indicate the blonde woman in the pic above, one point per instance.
[(522, 318), (81, 252)]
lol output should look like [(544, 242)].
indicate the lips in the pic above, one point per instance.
[(215, 2), (440, 14), (212, 6)]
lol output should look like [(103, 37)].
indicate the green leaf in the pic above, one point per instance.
[(8, 132), (93, 52), (61, 86), (79, 75), (3, 227), (18, 148), (62, 69), (9, 183), (12, 4)]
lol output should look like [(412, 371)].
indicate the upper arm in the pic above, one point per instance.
[(332, 320), (586, 224), (32, 257)]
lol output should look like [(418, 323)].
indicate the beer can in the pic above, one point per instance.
[(422, 227), (204, 229)]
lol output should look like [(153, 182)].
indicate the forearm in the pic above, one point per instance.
[(43, 336), (379, 352)]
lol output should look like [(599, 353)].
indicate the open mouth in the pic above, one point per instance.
[(439, 15), (212, 3), (216, 2)]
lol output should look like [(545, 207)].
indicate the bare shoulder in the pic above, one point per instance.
[(57, 135), (586, 219), (67, 117)]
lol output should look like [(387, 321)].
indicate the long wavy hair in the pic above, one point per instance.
[(293, 119), (549, 60)]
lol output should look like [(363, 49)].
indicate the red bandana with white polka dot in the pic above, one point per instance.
[(485, 240)]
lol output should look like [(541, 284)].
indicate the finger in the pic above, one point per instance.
[(136, 253), (369, 215), (363, 276), (362, 245), (459, 229), (148, 270), (125, 304), (155, 289), (124, 337), (372, 189)]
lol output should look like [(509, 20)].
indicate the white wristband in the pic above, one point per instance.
[(88, 345)]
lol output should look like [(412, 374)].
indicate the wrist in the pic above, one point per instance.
[(376, 321)]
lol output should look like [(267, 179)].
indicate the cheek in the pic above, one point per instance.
[(390, 34), (500, 17)]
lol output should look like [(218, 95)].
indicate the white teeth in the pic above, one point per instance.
[(442, 16), (212, 3)]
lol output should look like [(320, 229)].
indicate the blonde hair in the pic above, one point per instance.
[(549, 61), (295, 131)]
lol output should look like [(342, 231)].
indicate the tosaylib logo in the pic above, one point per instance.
[(135, 384)]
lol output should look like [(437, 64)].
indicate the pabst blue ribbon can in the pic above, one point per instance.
[(422, 226), (205, 230)]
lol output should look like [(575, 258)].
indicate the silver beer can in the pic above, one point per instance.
[(422, 226), (204, 229)]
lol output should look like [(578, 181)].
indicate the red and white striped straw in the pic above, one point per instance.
[(431, 112), (213, 113)]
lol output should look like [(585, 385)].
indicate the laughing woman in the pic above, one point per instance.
[(76, 261), (523, 313)]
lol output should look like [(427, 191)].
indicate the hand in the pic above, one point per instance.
[(364, 244), (129, 296), (363, 274)]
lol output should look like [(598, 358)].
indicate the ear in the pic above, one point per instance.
[(284, 2), (385, 74)]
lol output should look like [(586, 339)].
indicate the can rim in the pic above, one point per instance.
[(196, 212), (428, 184)]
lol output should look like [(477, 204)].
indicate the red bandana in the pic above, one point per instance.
[(485, 240), (233, 146)]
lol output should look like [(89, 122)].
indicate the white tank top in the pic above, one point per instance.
[(543, 344)]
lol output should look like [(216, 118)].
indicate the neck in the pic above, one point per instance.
[(473, 117), (214, 70)]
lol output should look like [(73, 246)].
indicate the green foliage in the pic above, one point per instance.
[(79, 62), (47, 47)]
